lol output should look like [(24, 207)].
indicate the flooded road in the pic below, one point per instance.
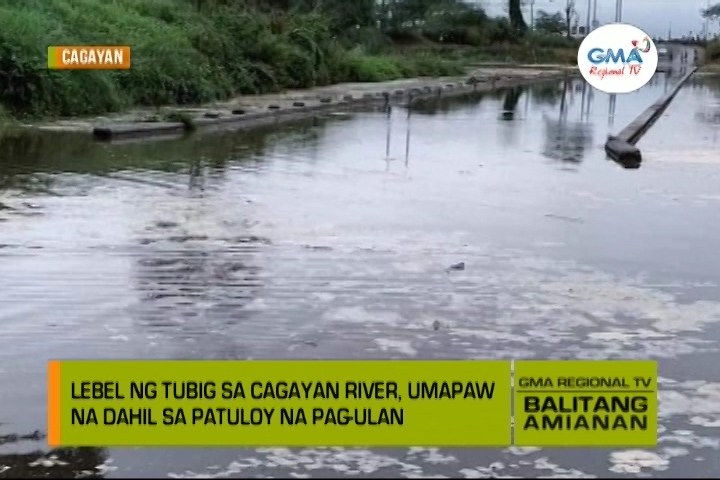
[(331, 239)]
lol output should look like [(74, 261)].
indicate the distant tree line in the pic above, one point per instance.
[(712, 50), (451, 21)]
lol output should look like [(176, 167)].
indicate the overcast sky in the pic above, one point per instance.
[(653, 16)]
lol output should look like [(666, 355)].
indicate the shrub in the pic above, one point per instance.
[(179, 55), (712, 51), (361, 67)]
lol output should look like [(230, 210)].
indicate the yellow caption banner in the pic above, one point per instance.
[(352, 403), (279, 403), (585, 403)]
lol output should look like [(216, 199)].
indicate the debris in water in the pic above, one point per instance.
[(166, 224), (458, 266), (562, 217), (317, 247), (436, 325)]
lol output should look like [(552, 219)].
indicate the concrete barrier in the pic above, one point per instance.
[(121, 130), (621, 147), (324, 104)]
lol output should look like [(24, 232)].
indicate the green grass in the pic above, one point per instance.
[(5, 119), (712, 52), (180, 55), (183, 56), (712, 58), (361, 67)]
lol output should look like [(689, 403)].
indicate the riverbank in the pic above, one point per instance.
[(249, 111), (710, 68), (194, 52)]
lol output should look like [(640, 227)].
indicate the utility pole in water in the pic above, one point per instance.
[(532, 14), (594, 20), (707, 21), (587, 23)]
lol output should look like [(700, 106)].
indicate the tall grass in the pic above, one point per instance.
[(712, 52), (185, 54), (179, 55)]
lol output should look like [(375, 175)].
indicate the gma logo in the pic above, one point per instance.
[(596, 56)]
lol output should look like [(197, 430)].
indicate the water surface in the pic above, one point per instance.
[(331, 239)]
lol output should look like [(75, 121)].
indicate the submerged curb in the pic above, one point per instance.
[(621, 147), (296, 110)]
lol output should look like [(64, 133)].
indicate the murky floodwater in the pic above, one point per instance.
[(331, 239)]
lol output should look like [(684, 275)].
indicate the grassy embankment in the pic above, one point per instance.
[(188, 54), (712, 56)]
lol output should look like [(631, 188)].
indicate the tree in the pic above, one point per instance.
[(712, 12), (550, 23), (515, 14), (346, 15)]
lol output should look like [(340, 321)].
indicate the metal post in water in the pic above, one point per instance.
[(407, 141), (387, 139), (563, 102), (407, 133)]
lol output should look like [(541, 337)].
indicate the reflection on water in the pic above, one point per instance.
[(709, 114), (696, 109), (510, 103), (58, 463), (32, 161), (566, 141), (194, 290), (567, 138)]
